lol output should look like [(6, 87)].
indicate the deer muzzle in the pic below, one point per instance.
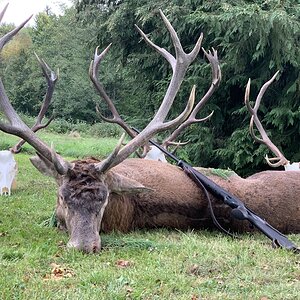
[(84, 234), (86, 244)]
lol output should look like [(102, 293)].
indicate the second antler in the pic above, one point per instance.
[(179, 65), (279, 158)]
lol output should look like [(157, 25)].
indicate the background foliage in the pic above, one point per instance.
[(254, 39)]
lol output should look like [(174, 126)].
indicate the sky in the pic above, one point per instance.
[(19, 10)]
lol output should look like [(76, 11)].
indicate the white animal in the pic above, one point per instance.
[(155, 154), (292, 167), (8, 171)]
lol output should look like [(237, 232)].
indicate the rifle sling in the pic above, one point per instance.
[(239, 210), (211, 210)]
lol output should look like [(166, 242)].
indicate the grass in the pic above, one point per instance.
[(67, 144), (158, 264)]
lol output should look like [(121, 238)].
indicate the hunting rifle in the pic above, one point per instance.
[(239, 210)]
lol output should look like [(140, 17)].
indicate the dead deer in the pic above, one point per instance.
[(279, 158), (124, 194)]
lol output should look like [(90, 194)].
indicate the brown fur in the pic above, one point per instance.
[(148, 194), (177, 202)]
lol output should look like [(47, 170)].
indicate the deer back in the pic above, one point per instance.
[(176, 202)]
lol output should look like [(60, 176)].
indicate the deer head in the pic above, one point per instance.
[(85, 185)]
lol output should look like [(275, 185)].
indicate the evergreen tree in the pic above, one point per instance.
[(253, 39)]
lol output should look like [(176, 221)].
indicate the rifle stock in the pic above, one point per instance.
[(239, 210)]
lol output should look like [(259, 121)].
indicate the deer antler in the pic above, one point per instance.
[(51, 78), (281, 160), (179, 64), (94, 68), (7, 37), (116, 118), (216, 79), (16, 126)]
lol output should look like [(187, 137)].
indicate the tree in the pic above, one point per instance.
[(63, 44)]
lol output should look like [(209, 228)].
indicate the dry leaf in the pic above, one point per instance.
[(121, 263), (58, 272), (129, 290), (194, 270)]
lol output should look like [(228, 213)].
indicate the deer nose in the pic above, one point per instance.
[(87, 247)]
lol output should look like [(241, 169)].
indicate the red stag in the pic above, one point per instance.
[(123, 194)]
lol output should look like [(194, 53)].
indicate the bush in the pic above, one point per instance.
[(60, 126), (105, 130)]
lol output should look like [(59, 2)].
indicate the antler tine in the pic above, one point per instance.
[(105, 164), (179, 64), (167, 144), (216, 79), (252, 133), (7, 37), (93, 71), (176, 43), (51, 78), (17, 127), (3, 11), (281, 161), (184, 114), (261, 92), (255, 120), (212, 57)]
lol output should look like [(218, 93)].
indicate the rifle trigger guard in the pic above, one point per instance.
[(239, 213)]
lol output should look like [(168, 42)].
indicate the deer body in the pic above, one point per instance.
[(174, 201)]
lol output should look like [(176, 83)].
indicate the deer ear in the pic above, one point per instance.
[(121, 184), (44, 166)]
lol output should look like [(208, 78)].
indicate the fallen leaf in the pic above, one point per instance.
[(193, 269), (129, 290), (59, 272), (121, 263)]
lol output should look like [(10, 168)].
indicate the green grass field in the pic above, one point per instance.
[(157, 264)]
